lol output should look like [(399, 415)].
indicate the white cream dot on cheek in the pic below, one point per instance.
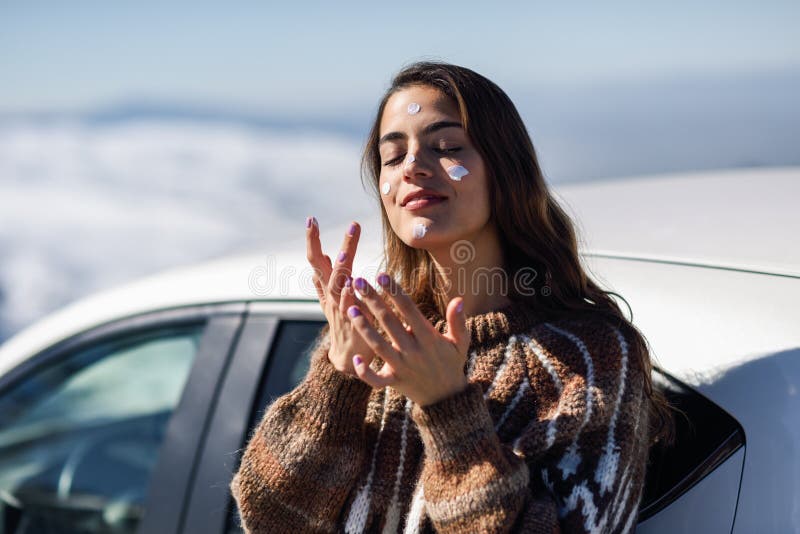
[(457, 172), (420, 230), (386, 187)]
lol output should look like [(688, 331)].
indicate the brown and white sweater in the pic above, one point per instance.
[(550, 436)]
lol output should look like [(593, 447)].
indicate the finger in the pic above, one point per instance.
[(314, 253), (318, 286), (348, 298), (386, 317), (343, 265), (457, 331), (408, 309), (373, 339), (368, 375)]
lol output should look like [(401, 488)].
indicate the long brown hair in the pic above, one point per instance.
[(535, 232)]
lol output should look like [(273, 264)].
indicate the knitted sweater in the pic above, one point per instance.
[(550, 435)]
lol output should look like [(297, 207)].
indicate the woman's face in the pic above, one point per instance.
[(422, 144)]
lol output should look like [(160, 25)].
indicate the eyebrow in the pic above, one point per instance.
[(429, 129)]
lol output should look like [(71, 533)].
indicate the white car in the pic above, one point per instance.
[(127, 411)]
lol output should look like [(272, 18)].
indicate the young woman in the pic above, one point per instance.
[(483, 383)]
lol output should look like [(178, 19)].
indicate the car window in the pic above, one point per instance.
[(288, 362), (705, 436), (79, 437), (287, 365)]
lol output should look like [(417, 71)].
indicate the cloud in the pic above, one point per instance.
[(86, 207)]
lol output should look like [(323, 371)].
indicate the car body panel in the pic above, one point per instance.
[(278, 276), (694, 511), (745, 218), (705, 321), (739, 345)]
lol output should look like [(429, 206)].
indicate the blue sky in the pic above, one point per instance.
[(329, 58)]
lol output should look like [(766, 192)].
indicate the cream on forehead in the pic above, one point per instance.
[(457, 172), (413, 108), (420, 230), (386, 187)]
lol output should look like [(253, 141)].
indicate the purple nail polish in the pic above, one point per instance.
[(308, 222), (315, 222), (348, 282), (341, 257), (460, 306), (357, 360), (352, 229), (383, 279), (360, 284), (353, 311)]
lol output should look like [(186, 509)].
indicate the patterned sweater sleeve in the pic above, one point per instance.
[(567, 455), (303, 457)]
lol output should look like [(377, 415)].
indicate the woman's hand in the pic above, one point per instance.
[(420, 363), (335, 292)]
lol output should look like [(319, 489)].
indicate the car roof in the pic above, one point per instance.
[(746, 219), (743, 219), (280, 275)]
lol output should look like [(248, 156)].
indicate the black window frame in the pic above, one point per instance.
[(209, 504), (709, 443)]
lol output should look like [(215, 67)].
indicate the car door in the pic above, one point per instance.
[(100, 433), (271, 358)]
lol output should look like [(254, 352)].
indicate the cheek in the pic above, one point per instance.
[(387, 190)]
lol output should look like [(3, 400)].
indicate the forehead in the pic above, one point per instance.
[(433, 103)]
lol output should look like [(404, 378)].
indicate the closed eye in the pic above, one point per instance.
[(394, 161), (439, 150)]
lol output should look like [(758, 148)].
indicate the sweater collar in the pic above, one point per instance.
[(496, 325)]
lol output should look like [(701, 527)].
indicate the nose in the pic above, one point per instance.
[(415, 166)]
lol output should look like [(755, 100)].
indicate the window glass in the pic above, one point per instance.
[(80, 437), (288, 364)]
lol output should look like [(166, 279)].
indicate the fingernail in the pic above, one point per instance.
[(314, 222), (348, 282), (360, 283), (357, 360), (383, 279), (353, 311), (308, 222), (352, 229), (460, 306), (341, 257)]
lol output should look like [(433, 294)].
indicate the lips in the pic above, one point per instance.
[(427, 194)]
